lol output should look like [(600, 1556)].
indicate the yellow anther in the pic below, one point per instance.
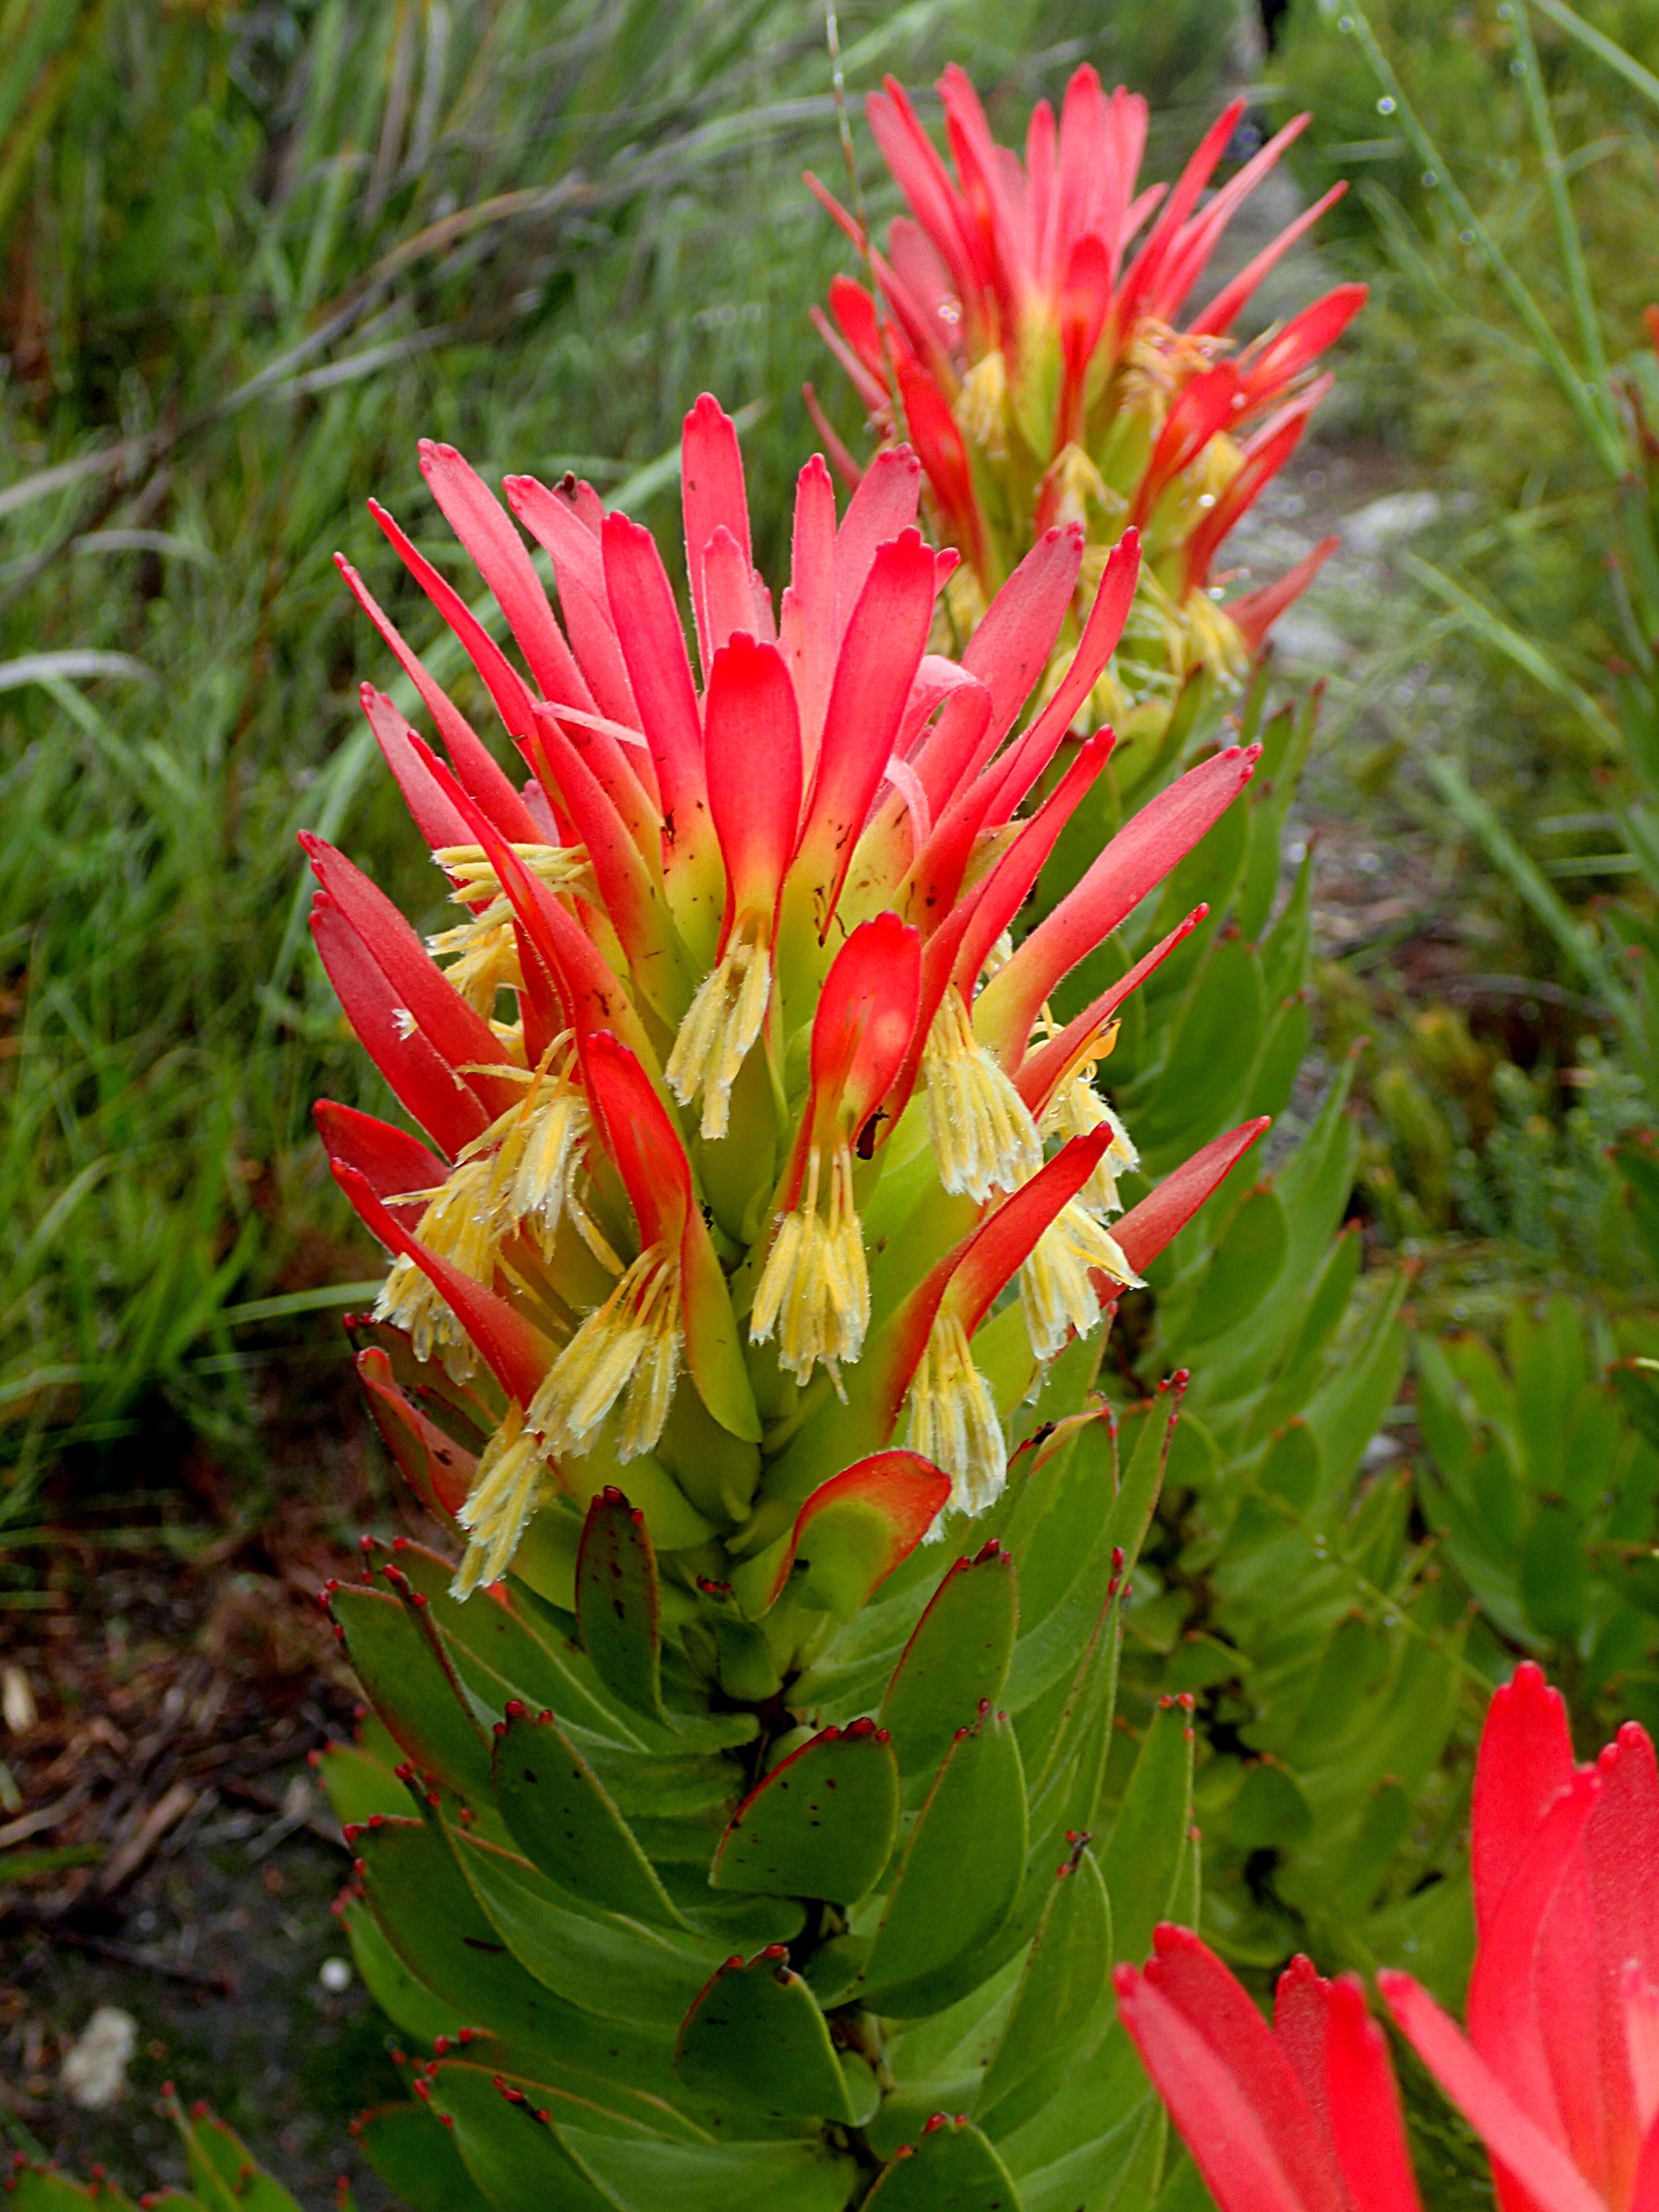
[(720, 1030), (506, 1488), (1077, 1109), (1057, 1295), (953, 1421), (982, 405), (983, 1134), (815, 1288), (628, 1350)]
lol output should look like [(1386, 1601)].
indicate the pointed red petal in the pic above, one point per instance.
[(503, 681), (465, 1039), (1140, 855), (1215, 2117), (1144, 271), (1526, 1762), (437, 821), (591, 997), (1145, 1229), (390, 1160), (1366, 2122), (940, 447), (1012, 776), (1211, 402), (436, 1469), (640, 1138), (642, 607), (882, 508), (879, 656), (1187, 1976), (422, 1081), (475, 764), (1264, 456), (482, 524), (866, 1017), (1042, 1072), (552, 519), (1255, 612), (1303, 339), (1018, 870), (517, 1355), (1230, 302), (807, 636), (752, 749), (711, 497), (1010, 648), (968, 1279), (900, 1491), (1535, 2165)]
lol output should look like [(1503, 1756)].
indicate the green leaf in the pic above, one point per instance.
[(508, 1643), (1283, 1049), (397, 1658), (1270, 1812), (416, 2157), (562, 1817), (613, 1968), (514, 2159), (616, 1604), (956, 1662), (1245, 1265), (358, 1785), (42, 2188), (1347, 1410), (639, 2176), (950, 2168), (1142, 1858), (960, 1874), (222, 2171), (1063, 2000), (820, 1823), (428, 1914), (1049, 1647), (1210, 1056), (1554, 1580), (1285, 947), (406, 2002), (755, 2040), (1638, 1394)]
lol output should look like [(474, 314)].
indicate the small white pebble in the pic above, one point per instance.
[(334, 1975), (17, 1701), (95, 2064)]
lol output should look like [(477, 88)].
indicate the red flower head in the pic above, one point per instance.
[(741, 1109), (1559, 2069), (1302, 2116), (1024, 332)]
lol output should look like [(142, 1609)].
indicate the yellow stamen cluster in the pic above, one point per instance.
[(465, 1220), (505, 1491), (983, 1135), (720, 1030), (981, 404), (954, 1421), (1056, 1293), (815, 1288), (484, 947), (632, 1345), (1077, 1109)]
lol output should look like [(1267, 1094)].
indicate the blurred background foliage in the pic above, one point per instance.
[(249, 255)]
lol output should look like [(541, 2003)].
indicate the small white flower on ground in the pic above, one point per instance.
[(334, 1975)]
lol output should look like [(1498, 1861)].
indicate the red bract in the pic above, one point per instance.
[(1302, 2116), (731, 959), (1023, 331), (1559, 2069)]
